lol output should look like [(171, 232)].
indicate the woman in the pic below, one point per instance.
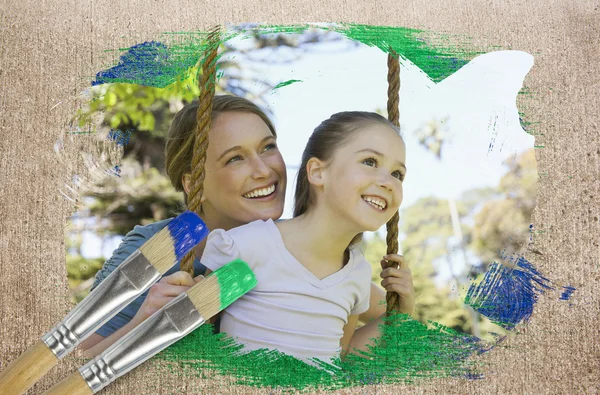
[(245, 181)]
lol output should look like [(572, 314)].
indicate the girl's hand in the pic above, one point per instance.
[(399, 281)]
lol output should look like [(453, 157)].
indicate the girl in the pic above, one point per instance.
[(236, 122), (312, 280)]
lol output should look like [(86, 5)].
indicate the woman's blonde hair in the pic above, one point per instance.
[(180, 139)]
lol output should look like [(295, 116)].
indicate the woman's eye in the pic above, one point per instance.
[(234, 159), (370, 162), (398, 175)]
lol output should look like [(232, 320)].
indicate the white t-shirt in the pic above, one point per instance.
[(290, 309)]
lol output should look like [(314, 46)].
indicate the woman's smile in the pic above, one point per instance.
[(263, 193)]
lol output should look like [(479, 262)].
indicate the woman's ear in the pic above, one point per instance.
[(187, 185), (186, 180), (315, 170)]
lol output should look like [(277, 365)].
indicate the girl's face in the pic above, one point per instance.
[(245, 173), (363, 180)]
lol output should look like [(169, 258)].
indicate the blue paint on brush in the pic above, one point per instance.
[(187, 230), (567, 292), (507, 295)]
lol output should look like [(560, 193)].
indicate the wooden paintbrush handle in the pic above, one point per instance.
[(22, 373), (72, 385)]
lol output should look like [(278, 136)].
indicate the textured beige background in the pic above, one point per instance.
[(50, 49)]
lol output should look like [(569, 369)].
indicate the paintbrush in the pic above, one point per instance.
[(174, 321), (134, 276)]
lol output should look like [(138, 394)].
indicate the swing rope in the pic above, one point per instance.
[(393, 107), (207, 91)]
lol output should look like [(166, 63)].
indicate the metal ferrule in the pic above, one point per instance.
[(165, 327), (134, 276)]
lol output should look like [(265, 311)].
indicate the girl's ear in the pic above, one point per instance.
[(187, 185), (315, 170)]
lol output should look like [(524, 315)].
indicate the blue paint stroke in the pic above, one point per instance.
[(507, 295), (150, 64), (567, 292), (116, 171), (187, 230), (120, 137)]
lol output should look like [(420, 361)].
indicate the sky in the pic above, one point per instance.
[(482, 92), (478, 104)]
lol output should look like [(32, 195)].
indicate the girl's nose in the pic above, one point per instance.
[(385, 180)]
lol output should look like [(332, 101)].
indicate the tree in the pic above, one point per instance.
[(130, 122), (502, 225)]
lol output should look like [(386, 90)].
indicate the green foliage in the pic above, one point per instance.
[(501, 219), (141, 195), (80, 268), (80, 272), (503, 223)]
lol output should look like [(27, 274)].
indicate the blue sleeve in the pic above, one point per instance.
[(131, 242)]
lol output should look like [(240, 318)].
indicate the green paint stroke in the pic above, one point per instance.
[(408, 352), (167, 63), (436, 60), (235, 279), (286, 83)]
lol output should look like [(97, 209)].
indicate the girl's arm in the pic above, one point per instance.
[(349, 330), (394, 280), (365, 335), (376, 305)]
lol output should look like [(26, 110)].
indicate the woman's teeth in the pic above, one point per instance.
[(375, 202), (260, 192)]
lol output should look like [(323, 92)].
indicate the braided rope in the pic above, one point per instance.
[(207, 91), (393, 108)]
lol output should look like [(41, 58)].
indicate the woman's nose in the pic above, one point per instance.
[(260, 169)]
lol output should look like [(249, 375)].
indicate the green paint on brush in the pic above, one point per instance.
[(408, 350), (286, 83), (235, 279)]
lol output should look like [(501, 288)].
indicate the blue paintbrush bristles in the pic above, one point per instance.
[(187, 230)]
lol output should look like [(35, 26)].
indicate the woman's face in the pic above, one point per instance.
[(245, 173)]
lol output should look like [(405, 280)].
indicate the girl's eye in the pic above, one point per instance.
[(398, 175), (234, 159), (370, 162)]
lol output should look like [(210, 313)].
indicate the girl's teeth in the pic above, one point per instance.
[(375, 203)]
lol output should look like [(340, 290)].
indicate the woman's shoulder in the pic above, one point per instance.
[(149, 230), (131, 242)]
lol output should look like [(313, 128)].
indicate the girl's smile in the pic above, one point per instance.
[(368, 170), (377, 202)]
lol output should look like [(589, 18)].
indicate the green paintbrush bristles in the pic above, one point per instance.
[(222, 287), (235, 279)]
